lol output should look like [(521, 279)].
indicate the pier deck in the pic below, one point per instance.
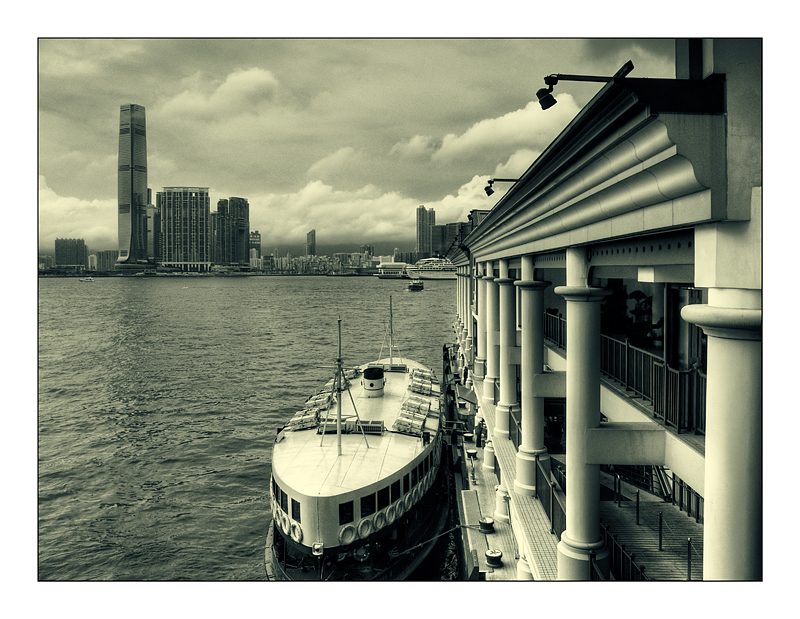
[(529, 530)]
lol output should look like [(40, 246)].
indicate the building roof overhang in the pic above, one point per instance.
[(620, 109)]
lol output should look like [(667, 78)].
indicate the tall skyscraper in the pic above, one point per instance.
[(185, 215), (132, 186), (311, 243), (426, 218)]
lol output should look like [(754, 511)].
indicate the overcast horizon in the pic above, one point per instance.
[(344, 136)]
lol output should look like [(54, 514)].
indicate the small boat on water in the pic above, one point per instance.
[(357, 492), (86, 279), (416, 285)]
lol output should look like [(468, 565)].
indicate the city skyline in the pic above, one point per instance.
[(346, 137)]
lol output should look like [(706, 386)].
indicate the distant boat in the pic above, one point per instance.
[(392, 270), (432, 268), (356, 490), (86, 279), (416, 285)]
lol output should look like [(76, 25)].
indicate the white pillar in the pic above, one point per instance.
[(507, 323), (582, 533), (733, 519), (480, 354), (492, 328), (532, 363)]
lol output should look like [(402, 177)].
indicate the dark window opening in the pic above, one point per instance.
[(345, 512), (413, 477), (395, 491), (284, 502), (406, 484), (296, 510), (367, 505), (383, 497)]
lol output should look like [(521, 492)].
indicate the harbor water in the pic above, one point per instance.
[(159, 399)]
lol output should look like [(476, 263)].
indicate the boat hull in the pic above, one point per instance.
[(431, 275), (393, 555)]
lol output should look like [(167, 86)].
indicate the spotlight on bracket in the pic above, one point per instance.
[(488, 189), (547, 100)]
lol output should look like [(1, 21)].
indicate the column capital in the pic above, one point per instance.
[(725, 322), (488, 278), (503, 281), (582, 293), (531, 285)]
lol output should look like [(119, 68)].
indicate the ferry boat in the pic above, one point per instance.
[(392, 270), (87, 279), (357, 492), (432, 268), (416, 285)]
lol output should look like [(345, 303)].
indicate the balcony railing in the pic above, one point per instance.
[(677, 396)]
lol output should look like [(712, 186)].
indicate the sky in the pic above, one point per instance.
[(344, 136)]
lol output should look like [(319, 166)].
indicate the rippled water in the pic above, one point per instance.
[(159, 399)]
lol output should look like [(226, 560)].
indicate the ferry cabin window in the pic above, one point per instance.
[(383, 497), (367, 505), (395, 491), (413, 477), (406, 484), (296, 510), (420, 471), (345, 512), (284, 502)]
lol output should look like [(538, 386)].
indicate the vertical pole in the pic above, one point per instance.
[(339, 391), (660, 529), (637, 507), (688, 558), (619, 491)]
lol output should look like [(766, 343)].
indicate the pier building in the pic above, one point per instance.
[(609, 308)]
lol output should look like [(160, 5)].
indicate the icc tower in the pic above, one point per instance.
[(132, 186)]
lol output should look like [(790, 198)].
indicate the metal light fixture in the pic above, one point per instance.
[(547, 100), (488, 189)]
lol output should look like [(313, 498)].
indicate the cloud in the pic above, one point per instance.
[(524, 128), (243, 91), (418, 147), (94, 221), (331, 164)]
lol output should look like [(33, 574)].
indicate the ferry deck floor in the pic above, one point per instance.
[(529, 527)]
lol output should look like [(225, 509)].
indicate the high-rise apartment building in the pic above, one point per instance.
[(106, 259), (311, 243), (185, 227), (132, 198), (255, 242), (71, 252), (426, 218), (230, 232)]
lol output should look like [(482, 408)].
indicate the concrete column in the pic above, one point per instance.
[(532, 363), (492, 336), (480, 354), (470, 281), (732, 548), (582, 533), (502, 504), (507, 323)]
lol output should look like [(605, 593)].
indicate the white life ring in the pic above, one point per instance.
[(347, 535), (390, 514), (416, 493), (284, 521), (380, 520), (297, 532), (365, 528), (399, 508), (409, 501)]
